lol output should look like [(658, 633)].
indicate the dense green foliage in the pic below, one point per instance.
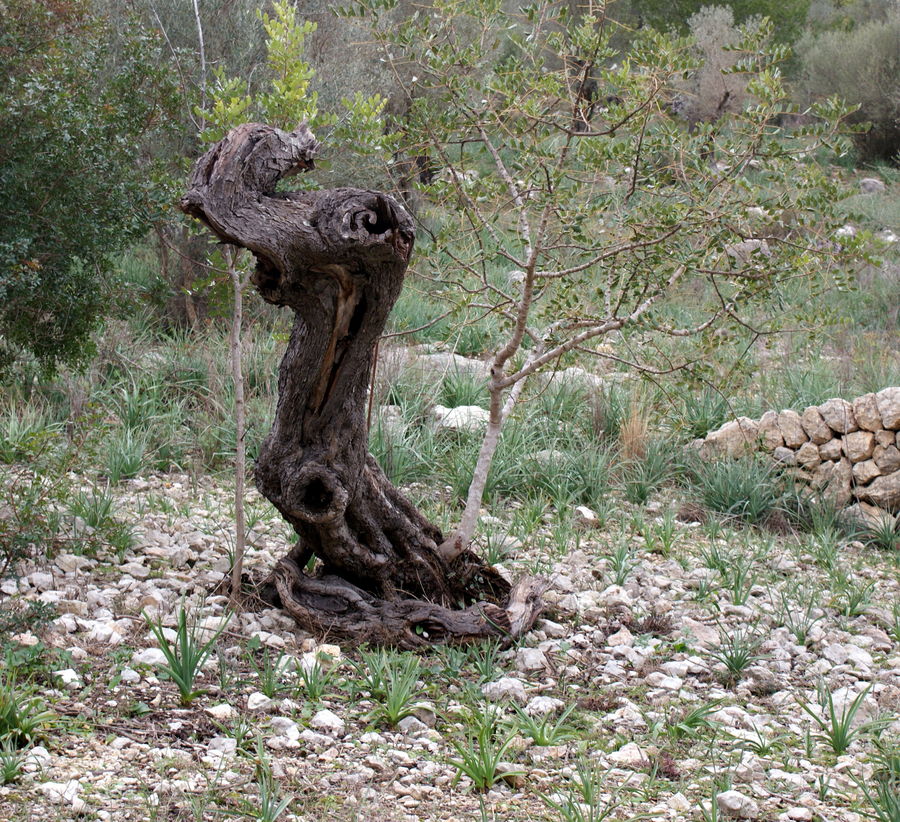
[(863, 67), (74, 188), (788, 16)]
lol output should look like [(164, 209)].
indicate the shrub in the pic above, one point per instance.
[(79, 113), (863, 67)]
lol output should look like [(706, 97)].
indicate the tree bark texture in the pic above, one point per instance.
[(337, 259)]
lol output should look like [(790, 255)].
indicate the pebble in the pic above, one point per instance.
[(411, 726), (621, 637), (737, 805), (327, 721), (543, 706), (530, 659), (630, 755), (148, 656), (660, 680), (61, 793), (259, 702), (505, 688), (70, 678), (223, 712)]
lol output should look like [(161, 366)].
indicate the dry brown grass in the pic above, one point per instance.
[(635, 431)]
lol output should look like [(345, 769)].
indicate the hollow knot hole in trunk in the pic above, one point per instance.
[(317, 495)]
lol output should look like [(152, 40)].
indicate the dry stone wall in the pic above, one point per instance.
[(848, 451)]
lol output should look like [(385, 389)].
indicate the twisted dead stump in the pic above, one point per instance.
[(337, 259)]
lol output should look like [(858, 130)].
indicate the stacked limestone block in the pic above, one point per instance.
[(848, 451)]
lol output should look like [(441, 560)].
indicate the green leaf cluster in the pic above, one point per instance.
[(287, 98)]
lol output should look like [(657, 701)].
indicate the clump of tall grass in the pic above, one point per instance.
[(749, 488)]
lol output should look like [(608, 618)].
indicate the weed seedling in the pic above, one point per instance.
[(895, 623), (710, 813), (740, 579), (714, 557), (96, 508), (737, 651), (484, 660), (760, 744), (883, 790), (23, 718), (853, 600), (481, 751), (396, 695), (837, 727), (883, 534), (315, 680), (621, 562), (692, 723), (544, 730), (798, 616), (662, 536), (582, 801), (268, 673), (270, 805), (186, 655), (11, 763)]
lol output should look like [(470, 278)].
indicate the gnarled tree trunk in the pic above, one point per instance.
[(337, 259)]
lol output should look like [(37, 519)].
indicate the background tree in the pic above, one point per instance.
[(75, 186), (712, 89), (863, 67)]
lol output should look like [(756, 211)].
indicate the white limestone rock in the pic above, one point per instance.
[(327, 722), (505, 688), (149, 656), (530, 659), (258, 702), (543, 706), (657, 679), (630, 755), (737, 805), (461, 418), (872, 185)]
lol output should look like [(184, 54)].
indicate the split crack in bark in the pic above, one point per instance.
[(337, 258)]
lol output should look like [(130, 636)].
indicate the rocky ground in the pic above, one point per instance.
[(618, 704)]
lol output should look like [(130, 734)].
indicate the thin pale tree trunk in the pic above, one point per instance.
[(240, 455), (498, 412), (202, 49)]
